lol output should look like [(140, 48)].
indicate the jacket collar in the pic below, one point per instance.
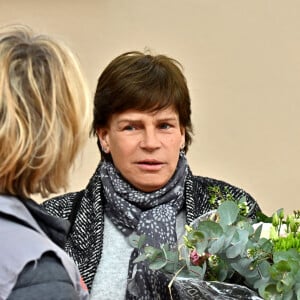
[(29, 213)]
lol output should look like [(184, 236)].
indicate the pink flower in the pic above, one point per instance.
[(198, 260), (195, 258)]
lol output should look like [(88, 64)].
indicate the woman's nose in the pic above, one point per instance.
[(150, 139)]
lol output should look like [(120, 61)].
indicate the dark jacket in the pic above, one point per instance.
[(45, 279), (85, 209), (33, 265)]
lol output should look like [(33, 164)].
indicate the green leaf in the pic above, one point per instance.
[(242, 266), (136, 241), (197, 271), (141, 241), (235, 250), (288, 295), (172, 256), (221, 270), (243, 199), (264, 268), (297, 291), (270, 291), (257, 233), (197, 236), (228, 212), (245, 225), (158, 264), (201, 246), (152, 253), (279, 270), (192, 272), (229, 233), (140, 258), (291, 254), (210, 229), (261, 217), (217, 245)]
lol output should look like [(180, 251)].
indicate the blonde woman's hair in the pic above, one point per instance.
[(44, 112)]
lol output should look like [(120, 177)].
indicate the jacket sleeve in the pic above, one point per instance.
[(44, 279)]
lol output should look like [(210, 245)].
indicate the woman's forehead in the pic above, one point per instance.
[(133, 114)]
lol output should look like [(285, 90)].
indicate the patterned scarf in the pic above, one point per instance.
[(152, 214)]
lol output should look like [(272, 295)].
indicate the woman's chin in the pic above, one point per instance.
[(148, 187)]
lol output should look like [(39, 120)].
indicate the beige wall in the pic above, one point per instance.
[(242, 62)]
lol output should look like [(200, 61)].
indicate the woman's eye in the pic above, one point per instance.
[(129, 128), (164, 126)]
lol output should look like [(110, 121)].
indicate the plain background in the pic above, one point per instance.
[(242, 63)]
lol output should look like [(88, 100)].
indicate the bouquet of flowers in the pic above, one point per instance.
[(225, 254)]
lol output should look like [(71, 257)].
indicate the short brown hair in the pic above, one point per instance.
[(144, 82), (44, 112)]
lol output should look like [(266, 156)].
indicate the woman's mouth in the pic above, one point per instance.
[(150, 165)]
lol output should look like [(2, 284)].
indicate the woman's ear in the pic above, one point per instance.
[(102, 134), (182, 144)]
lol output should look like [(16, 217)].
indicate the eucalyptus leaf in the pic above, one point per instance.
[(257, 232), (229, 233), (222, 275), (243, 267), (158, 264), (135, 240), (217, 245), (288, 295), (245, 225), (140, 258), (172, 256), (197, 271), (288, 280), (291, 254), (243, 199), (297, 291), (210, 229), (264, 268), (243, 235), (170, 267), (201, 246), (141, 241), (228, 212), (192, 272), (222, 271), (235, 250), (152, 253)]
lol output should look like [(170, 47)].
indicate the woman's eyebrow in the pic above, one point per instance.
[(169, 119), (128, 120), (136, 120)]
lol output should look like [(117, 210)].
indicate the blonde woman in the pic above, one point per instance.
[(44, 115)]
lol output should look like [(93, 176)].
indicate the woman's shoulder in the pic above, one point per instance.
[(206, 184), (205, 187), (44, 279), (62, 205)]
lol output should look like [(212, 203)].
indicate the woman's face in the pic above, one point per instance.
[(144, 146)]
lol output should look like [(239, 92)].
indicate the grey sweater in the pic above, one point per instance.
[(114, 264)]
